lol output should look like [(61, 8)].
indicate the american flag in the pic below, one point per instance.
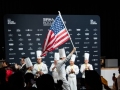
[(57, 35)]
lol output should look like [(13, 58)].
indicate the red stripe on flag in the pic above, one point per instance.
[(52, 42), (61, 41), (46, 40), (62, 35)]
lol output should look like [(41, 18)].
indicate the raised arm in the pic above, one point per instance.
[(66, 59), (69, 56)]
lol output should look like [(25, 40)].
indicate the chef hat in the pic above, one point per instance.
[(56, 56), (73, 58), (28, 62), (86, 56), (62, 53), (39, 53)]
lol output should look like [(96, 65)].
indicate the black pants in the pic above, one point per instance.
[(82, 82)]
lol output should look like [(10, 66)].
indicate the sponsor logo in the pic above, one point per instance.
[(20, 39), (18, 30), (78, 29), (32, 53), (22, 53), (28, 30), (10, 39), (12, 53), (11, 44), (92, 22), (11, 49), (9, 21), (20, 48)]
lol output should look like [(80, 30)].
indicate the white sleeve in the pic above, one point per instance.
[(67, 58), (34, 69), (76, 70), (91, 67), (64, 61), (51, 67), (45, 70), (82, 69), (67, 70)]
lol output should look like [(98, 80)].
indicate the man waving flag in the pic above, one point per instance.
[(57, 35)]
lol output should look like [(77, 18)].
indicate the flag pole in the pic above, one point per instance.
[(66, 29)]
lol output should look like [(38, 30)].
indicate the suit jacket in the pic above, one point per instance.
[(23, 69)]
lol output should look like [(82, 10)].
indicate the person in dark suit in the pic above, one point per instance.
[(21, 67)]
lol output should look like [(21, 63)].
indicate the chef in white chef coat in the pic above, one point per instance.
[(29, 65), (61, 67), (72, 70), (85, 66), (53, 67), (40, 68)]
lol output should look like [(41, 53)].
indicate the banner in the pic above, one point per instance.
[(25, 34)]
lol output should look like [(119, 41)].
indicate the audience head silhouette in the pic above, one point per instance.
[(16, 81), (93, 80), (45, 82)]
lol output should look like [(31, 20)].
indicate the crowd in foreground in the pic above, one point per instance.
[(27, 77), (18, 81)]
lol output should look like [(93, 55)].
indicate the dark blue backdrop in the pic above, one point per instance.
[(24, 34)]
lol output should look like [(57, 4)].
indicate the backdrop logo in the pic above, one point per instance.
[(18, 30), (10, 39), (92, 22), (78, 29), (9, 30), (9, 21), (47, 21)]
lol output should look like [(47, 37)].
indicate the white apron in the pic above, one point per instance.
[(72, 81), (72, 77)]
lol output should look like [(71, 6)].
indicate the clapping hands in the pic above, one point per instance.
[(72, 71)]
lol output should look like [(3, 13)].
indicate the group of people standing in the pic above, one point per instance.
[(58, 68)]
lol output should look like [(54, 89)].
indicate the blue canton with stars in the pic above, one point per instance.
[(57, 25)]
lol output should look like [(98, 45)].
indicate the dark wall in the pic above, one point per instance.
[(108, 13)]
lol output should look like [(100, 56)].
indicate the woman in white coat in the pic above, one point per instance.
[(72, 70), (53, 68)]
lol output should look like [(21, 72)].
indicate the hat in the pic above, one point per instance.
[(73, 58), (62, 53), (28, 62), (86, 56), (39, 53), (56, 56)]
